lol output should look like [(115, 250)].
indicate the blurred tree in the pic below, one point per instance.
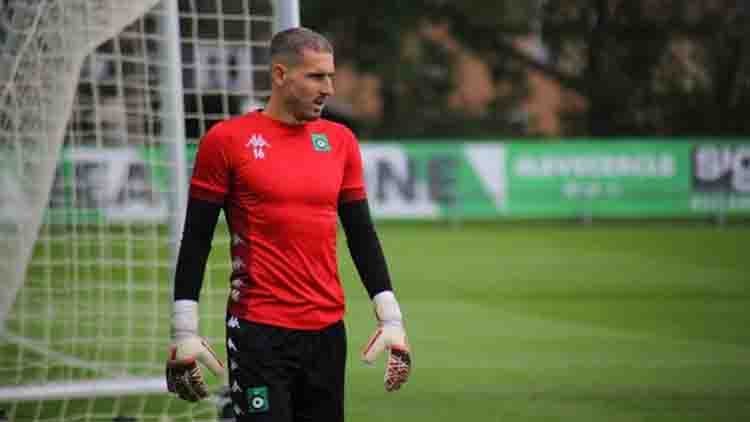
[(653, 67), (638, 67), (421, 49)]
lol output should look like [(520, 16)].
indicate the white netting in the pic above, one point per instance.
[(86, 180)]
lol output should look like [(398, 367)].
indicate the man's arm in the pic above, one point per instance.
[(184, 376), (200, 222), (364, 246), (367, 254)]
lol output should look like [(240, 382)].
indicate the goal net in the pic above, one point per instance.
[(101, 106)]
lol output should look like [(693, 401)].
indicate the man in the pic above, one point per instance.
[(282, 176)]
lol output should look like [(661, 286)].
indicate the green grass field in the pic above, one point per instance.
[(530, 322)]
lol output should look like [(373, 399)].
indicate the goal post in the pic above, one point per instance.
[(102, 103)]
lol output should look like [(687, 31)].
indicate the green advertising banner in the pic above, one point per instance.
[(452, 180), (627, 179)]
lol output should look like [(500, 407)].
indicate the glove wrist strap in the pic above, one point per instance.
[(184, 319), (386, 308)]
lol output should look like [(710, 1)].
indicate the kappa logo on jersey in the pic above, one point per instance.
[(237, 264), (237, 240), (258, 144), (237, 283), (320, 142)]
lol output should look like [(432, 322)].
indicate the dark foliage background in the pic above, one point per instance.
[(625, 67)]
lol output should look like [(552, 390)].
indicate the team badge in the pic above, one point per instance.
[(257, 399), (320, 142), (258, 145)]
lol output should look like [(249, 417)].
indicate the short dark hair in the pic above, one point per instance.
[(289, 44)]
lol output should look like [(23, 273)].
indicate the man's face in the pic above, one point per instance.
[(307, 84)]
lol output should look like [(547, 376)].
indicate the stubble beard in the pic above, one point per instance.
[(305, 111)]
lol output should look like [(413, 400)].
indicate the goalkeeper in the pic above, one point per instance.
[(283, 175)]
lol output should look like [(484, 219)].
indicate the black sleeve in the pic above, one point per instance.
[(198, 233), (364, 246)]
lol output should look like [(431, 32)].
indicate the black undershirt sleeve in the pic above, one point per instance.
[(200, 221), (364, 246)]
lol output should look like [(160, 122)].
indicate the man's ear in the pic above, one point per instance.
[(278, 73)]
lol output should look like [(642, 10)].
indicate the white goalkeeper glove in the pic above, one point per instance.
[(184, 376), (390, 336)]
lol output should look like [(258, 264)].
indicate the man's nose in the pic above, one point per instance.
[(328, 87)]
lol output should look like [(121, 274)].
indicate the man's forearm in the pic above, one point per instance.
[(200, 222), (364, 246)]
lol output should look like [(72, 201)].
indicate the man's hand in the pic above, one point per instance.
[(390, 336), (184, 376), (188, 350)]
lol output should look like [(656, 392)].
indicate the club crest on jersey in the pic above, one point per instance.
[(320, 142), (258, 145), (257, 399)]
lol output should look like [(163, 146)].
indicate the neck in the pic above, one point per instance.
[(275, 110)]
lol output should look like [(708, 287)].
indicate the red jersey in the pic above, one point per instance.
[(280, 186)]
